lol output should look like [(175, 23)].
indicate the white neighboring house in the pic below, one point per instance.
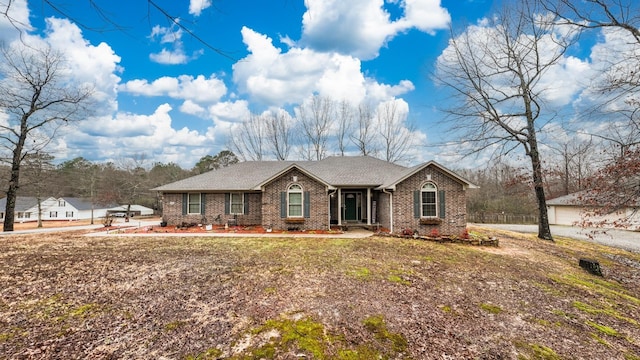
[(64, 208), (570, 209)]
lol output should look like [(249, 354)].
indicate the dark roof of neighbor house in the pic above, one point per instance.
[(78, 203), (335, 171), (22, 203)]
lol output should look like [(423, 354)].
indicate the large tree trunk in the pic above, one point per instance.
[(544, 231), (14, 181), (12, 192)]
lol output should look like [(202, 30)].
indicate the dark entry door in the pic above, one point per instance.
[(350, 207)]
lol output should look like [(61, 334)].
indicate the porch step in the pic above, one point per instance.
[(355, 224)]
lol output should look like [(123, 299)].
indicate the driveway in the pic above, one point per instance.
[(623, 239)]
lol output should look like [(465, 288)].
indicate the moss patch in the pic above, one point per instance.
[(603, 328), (377, 326), (533, 351), (490, 308)]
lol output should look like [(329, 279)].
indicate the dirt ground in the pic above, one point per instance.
[(69, 296), (70, 223)]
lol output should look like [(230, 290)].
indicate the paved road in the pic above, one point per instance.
[(628, 240), (120, 223)]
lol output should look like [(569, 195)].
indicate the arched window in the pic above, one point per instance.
[(428, 200), (294, 201)]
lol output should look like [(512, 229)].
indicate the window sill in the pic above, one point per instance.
[(294, 220), (430, 221)]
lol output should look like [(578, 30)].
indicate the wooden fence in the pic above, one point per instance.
[(485, 218)]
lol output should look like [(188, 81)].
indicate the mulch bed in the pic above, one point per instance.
[(213, 229)]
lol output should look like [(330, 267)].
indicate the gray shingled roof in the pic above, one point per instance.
[(401, 176), (22, 203), (241, 176), (85, 204), (354, 170), (342, 171)]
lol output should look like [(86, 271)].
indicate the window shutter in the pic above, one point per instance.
[(441, 204), (185, 203), (416, 204), (283, 204), (307, 204), (202, 203), (246, 204), (227, 204)]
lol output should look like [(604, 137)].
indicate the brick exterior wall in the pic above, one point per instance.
[(382, 211), (214, 207), (319, 202), (264, 208), (455, 204)]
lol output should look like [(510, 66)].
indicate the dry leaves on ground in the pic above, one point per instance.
[(70, 296)]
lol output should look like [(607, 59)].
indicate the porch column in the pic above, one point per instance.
[(340, 207), (368, 206)]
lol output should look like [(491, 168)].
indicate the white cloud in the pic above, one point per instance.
[(167, 35), (275, 78), (189, 107), (361, 27), (196, 6), (124, 134), (97, 65), (559, 83), (173, 36), (170, 57), (236, 111), (14, 19), (425, 15), (185, 87)]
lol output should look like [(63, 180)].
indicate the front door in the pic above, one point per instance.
[(350, 207)]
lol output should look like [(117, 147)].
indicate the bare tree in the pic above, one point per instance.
[(315, 118), (344, 118), (495, 76), (620, 78), (574, 163), (247, 140), (279, 134), (396, 134), (597, 14), (364, 132), (38, 98), (37, 169), (617, 91), (133, 182)]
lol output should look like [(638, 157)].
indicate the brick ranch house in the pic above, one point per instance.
[(313, 195)]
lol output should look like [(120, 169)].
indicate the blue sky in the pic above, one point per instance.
[(168, 96)]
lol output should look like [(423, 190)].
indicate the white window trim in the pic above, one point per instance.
[(435, 203), (231, 203), (189, 203), (300, 191)]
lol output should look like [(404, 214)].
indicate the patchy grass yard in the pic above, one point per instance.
[(70, 296)]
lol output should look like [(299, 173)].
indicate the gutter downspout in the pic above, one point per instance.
[(390, 209)]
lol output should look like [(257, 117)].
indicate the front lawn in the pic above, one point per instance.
[(70, 296)]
